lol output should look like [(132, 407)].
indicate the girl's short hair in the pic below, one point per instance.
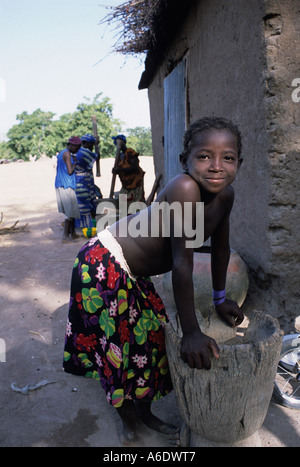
[(206, 124)]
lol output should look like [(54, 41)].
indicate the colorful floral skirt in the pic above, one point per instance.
[(115, 329)]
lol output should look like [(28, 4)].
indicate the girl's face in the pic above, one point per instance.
[(213, 160)]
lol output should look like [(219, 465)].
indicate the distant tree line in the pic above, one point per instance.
[(40, 133)]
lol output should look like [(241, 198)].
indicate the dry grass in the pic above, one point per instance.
[(136, 23)]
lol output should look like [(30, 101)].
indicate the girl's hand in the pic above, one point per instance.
[(230, 313), (197, 348)]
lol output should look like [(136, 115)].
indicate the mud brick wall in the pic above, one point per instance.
[(277, 278)]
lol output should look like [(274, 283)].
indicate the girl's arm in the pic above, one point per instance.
[(196, 347), (228, 310)]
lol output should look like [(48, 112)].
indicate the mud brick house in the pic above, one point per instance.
[(239, 59)]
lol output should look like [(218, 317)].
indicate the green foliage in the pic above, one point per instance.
[(140, 139), (39, 133), (5, 152), (30, 135)]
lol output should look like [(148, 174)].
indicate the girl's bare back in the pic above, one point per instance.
[(146, 237)]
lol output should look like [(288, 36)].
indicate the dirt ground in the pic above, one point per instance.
[(35, 271)]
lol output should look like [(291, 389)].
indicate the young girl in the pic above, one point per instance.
[(115, 326)]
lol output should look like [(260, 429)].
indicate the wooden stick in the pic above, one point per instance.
[(154, 189), (95, 133)]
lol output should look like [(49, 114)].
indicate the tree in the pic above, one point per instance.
[(29, 136), (39, 133), (80, 122), (5, 152), (140, 139)]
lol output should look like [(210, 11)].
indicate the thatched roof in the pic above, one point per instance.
[(136, 22), (146, 27)]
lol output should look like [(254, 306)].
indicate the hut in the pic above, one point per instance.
[(238, 59)]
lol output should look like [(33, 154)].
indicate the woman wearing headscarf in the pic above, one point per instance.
[(65, 185), (130, 173), (85, 187)]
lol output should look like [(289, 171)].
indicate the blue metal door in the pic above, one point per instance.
[(175, 120)]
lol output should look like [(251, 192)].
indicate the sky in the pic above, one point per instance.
[(54, 53)]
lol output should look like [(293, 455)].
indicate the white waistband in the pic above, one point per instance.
[(109, 242)]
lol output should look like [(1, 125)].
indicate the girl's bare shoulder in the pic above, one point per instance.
[(182, 188)]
